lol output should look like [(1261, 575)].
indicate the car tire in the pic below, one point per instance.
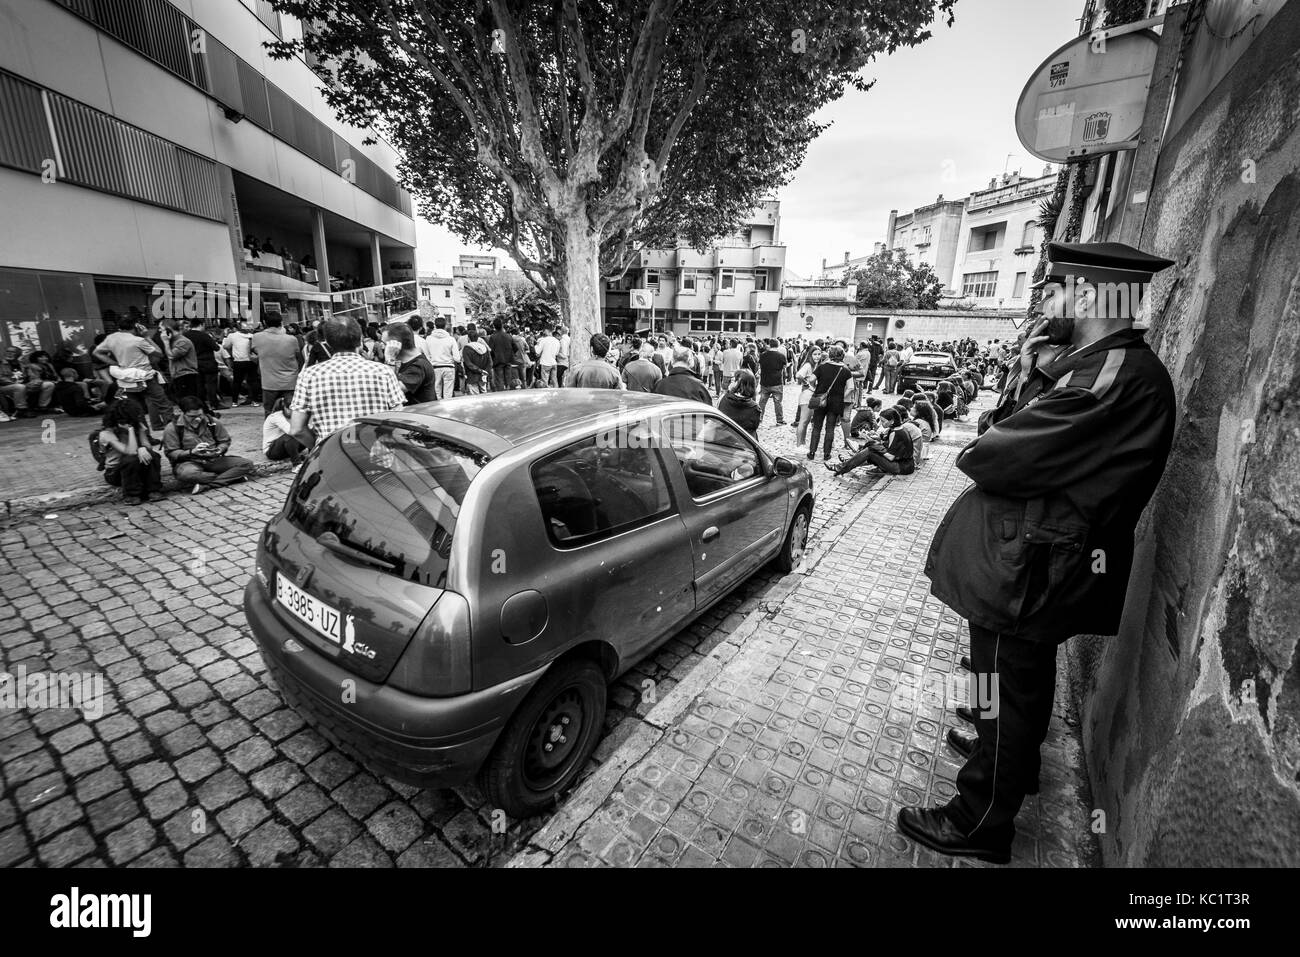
[(796, 540), (521, 776)]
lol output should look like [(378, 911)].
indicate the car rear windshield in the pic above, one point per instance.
[(390, 493)]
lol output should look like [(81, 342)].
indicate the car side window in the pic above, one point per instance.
[(601, 485), (713, 455)]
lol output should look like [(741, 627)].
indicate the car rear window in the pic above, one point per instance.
[(389, 491)]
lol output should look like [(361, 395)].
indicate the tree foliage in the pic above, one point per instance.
[(532, 124), (887, 281), (509, 297)]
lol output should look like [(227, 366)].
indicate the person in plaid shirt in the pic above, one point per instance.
[(331, 394)]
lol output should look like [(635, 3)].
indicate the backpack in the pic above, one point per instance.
[(97, 450)]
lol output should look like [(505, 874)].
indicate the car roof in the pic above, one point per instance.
[(497, 421)]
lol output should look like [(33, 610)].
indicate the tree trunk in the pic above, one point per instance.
[(579, 291)]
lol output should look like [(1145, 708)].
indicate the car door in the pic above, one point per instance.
[(734, 505), (619, 565)]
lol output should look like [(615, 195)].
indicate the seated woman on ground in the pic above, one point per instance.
[(892, 453), (131, 463), (865, 417), (278, 441), (925, 416)]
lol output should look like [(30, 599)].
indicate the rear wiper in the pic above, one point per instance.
[(335, 544)]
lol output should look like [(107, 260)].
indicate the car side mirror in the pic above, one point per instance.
[(783, 466)]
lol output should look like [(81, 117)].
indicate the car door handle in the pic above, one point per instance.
[(710, 534)]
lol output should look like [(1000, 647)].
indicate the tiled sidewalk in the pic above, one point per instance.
[(798, 742)]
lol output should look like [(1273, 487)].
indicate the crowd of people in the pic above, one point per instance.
[(160, 392)]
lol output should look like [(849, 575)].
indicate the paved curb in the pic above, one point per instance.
[(595, 790), (30, 505)]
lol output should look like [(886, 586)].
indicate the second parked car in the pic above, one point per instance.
[(925, 370)]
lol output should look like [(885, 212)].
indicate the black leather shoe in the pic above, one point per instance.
[(965, 713), (933, 828), (964, 661), (963, 742)]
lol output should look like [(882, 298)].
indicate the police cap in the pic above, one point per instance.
[(1100, 262)]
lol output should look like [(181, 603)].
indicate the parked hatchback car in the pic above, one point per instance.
[(925, 370), (448, 589)]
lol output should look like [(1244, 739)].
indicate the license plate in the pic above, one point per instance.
[(926, 383), (320, 616)]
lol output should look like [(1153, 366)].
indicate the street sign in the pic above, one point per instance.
[(1089, 96), (640, 299)]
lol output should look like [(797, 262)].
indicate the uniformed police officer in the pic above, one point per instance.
[(1040, 547)]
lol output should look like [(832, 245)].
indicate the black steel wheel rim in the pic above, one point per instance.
[(555, 740)]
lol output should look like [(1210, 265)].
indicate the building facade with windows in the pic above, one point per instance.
[(440, 292), (928, 234), (157, 141), (998, 241), (734, 286)]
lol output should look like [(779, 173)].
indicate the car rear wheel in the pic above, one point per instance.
[(796, 540), (548, 740)]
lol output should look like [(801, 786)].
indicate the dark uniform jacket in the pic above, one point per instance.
[(684, 384), (1062, 473)]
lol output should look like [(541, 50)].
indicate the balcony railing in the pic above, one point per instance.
[(688, 258), (272, 262), (736, 256)]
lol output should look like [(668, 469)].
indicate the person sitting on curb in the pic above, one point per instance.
[(278, 442), (131, 462), (866, 417), (196, 446), (891, 454), (74, 396)]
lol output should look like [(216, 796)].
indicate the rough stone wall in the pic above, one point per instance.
[(1191, 716)]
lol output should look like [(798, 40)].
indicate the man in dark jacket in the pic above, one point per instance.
[(501, 344), (1041, 546), (681, 381), (205, 355)]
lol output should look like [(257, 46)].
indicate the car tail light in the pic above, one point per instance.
[(436, 662)]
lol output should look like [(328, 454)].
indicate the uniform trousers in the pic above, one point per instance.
[(1012, 718)]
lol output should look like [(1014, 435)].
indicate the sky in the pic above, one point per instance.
[(939, 119)]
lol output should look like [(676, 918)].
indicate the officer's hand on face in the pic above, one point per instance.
[(1029, 351)]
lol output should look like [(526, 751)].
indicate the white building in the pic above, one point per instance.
[(999, 240), (440, 293), (148, 140), (732, 286)]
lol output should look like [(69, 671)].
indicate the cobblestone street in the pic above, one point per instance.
[(195, 759)]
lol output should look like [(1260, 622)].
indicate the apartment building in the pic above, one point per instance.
[(732, 286), (440, 293), (156, 141), (998, 241), (928, 234)]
